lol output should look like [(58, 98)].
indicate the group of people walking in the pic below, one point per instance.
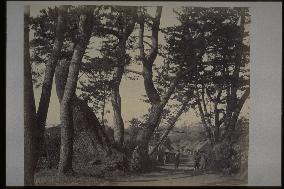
[(224, 160), (200, 160)]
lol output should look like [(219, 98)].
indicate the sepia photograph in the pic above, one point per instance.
[(137, 95)]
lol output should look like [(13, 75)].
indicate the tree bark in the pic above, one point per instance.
[(122, 34), (204, 123), (67, 130), (232, 124), (147, 62), (151, 91), (30, 126), (116, 105), (232, 93), (103, 111), (115, 95), (48, 78), (151, 124), (217, 121)]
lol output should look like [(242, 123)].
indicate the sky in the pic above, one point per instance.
[(131, 91)]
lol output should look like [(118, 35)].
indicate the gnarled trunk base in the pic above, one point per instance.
[(140, 160)]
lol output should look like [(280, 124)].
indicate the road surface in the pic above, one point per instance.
[(168, 176), (165, 175)]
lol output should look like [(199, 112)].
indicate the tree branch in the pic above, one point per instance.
[(174, 82), (147, 43), (231, 126), (171, 125), (105, 30), (133, 71), (151, 91)]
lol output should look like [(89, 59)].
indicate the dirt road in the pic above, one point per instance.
[(164, 176), (183, 176)]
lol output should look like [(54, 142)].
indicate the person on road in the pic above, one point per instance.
[(202, 161), (177, 159), (197, 158), (165, 159)]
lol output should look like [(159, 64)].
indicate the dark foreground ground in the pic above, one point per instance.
[(163, 176)]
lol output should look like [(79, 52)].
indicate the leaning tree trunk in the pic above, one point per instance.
[(170, 127), (67, 130), (30, 126), (116, 105), (140, 157), (48, 79)]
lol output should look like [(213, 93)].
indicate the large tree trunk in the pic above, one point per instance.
[(235, 115), (30, 126), (233, 108), (203, 120), (48, 79), (116, 105), (140, 157), (115, 95), (152, 123), (125, 30), (151, 91), (67, 130)]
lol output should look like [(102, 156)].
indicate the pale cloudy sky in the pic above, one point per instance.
[(131, 90)]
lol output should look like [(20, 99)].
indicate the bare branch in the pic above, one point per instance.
[(149, 44), (133, 71), (107, 30), (174, 82)]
